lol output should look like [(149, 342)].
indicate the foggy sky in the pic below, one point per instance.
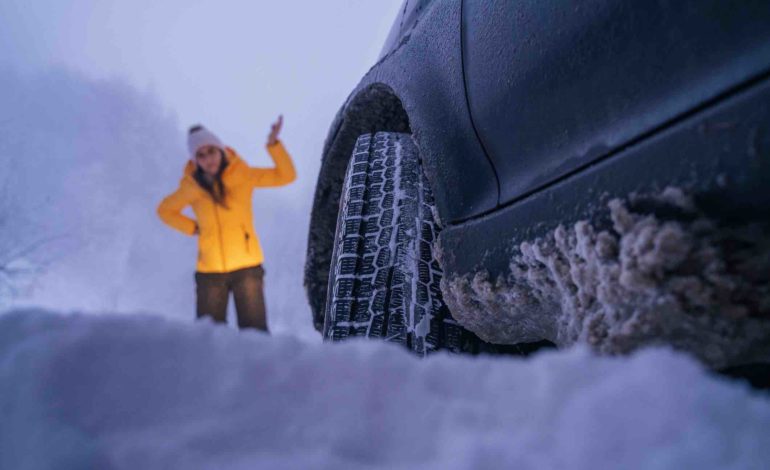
[(232, 66)]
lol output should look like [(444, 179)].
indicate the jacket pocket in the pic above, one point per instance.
[(246, 238)]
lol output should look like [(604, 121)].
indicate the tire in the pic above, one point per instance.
[(384, 279)]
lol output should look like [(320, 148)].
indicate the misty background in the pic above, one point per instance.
[(96, 98)]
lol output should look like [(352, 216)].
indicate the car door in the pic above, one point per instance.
[(556, 85)]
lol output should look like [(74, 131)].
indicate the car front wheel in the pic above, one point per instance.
[(384, 278)]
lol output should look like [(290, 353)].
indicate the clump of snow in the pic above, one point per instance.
[(124, 392), (677, 279)]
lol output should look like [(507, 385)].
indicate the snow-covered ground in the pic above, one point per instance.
[(144, 392)]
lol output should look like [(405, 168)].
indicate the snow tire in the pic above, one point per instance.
[(384, 278)]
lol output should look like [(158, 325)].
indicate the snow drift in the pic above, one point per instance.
[(143, 392)]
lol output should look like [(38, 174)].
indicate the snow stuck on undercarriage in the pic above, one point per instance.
[(666, 275)]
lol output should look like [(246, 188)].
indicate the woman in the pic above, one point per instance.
[(218, 184)]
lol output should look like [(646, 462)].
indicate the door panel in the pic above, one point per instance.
[(556, 85)]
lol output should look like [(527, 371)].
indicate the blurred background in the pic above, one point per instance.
[(95, 100)]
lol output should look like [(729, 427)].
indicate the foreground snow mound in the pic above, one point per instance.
[(143, 392)]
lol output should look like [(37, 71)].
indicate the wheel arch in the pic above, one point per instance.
[(374, 108), (417, 88)]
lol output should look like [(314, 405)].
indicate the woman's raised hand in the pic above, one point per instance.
[(275, 129)]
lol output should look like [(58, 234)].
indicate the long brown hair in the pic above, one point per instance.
[(216, 188)]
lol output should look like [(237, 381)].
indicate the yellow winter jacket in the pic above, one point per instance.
[(226, 240)]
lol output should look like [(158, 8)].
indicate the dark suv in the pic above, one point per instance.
[(518, 172)]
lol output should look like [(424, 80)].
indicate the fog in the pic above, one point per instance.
[(97, 96)]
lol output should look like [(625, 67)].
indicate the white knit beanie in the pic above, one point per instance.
[(201, 137)]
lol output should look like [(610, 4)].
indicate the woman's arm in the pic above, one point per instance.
[(170, 211), (283, 173)]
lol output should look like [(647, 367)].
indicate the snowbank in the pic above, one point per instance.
[(144, 392)]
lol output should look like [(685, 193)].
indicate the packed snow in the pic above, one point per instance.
[(128, 392), (644, 279)]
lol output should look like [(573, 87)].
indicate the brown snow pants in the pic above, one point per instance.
[(213, 291)]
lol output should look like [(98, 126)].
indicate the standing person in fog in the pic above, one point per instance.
[(218, 185)]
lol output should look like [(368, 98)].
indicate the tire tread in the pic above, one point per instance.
[(384, 279)]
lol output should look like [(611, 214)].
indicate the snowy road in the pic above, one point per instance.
[(143, 392)]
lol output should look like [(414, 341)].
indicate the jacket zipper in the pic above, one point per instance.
[(221, 243)]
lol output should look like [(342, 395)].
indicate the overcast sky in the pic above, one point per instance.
[(230, 65)]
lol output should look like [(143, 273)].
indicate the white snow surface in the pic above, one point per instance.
[(129, 392)]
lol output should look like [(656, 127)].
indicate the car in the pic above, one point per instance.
[(553, 172)]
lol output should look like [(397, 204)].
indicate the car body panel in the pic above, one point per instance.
[(556, 85), (394, 35), (425, 72), (720, 155), (408, 15)]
